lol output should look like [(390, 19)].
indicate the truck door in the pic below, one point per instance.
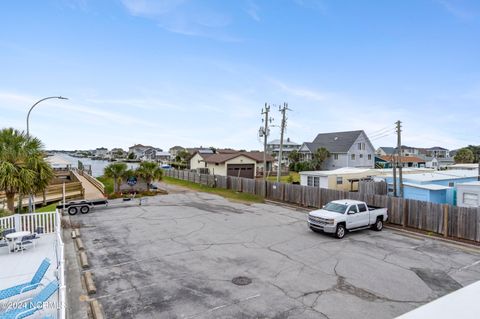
[(352, 218), (363, 215)]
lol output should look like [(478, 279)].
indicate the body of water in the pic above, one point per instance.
[(97, 165)]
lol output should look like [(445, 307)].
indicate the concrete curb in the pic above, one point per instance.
[(96, 309), (89, 283), (79, 243), (84, 260)]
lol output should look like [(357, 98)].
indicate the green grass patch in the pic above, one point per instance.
[(293, 177), (46, 209), (227, 193), (108, 183)]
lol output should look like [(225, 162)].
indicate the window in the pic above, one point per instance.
[(353, 157), (335, 156), (369, 157), (361, 155), (316, 181), (359, 146), (353, 209), (451, 184), (339, 180), (362, 208), (309, 180)]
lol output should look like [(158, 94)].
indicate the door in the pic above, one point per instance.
[(363, 215), (352, 213), (241, 170)]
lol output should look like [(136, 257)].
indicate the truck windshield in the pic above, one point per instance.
[(337, 208)]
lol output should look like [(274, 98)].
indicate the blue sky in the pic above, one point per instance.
[(190, 73)]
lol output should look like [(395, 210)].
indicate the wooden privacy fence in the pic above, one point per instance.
[(447, 220)]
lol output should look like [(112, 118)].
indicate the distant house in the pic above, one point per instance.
[(101, 152), (117, 153), (347, 149), (406, 161), (175, 150), (273, 147), (438, 162), (345, 179), (154, 154), (468, 194), (437, 152), (238, 164), (384, 150), (138, 150)]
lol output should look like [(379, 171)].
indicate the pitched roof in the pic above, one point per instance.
[(404, 159), (388, 150), (436, 148), (336, 142), (223, 157), (285, 142)]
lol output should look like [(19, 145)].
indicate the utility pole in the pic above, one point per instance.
[(264, 132), (399, 149), (283, 109), (394, 166)]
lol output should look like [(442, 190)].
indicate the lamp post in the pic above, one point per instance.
[(30, 204)]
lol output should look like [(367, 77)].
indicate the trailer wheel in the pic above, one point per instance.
[(72, 210), (84, 209)]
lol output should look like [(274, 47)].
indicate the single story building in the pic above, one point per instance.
[(238, 164), (465, 166), (345, 179), (468, 194), (437, 187)]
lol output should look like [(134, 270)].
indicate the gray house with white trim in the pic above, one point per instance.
[(347, 149)]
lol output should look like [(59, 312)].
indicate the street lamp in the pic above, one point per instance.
[(47, 98), (30, 199)]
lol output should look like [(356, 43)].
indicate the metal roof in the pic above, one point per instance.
[(432, 187)]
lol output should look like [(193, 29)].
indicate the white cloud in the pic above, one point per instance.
[(183, 17), (253, 10), (459, 9)]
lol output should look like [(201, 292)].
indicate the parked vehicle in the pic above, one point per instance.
[(340, 216), (83, 206)]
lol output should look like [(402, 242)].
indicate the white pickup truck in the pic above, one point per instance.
[(340, 216)]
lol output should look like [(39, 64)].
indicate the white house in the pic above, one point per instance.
[(347, 149), (273, 147), (345, 178), (101, 152), (468, 194)]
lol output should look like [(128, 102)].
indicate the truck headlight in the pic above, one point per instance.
[(330, 221)]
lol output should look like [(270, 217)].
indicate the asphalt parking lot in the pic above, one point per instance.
[(176, 257)]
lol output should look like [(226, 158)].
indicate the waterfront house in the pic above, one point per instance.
[(347, 149)]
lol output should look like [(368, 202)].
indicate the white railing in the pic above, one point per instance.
[(30, 222), (51, 223), (59, 249), (7, 222)]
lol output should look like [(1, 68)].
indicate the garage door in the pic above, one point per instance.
[(242, 170)]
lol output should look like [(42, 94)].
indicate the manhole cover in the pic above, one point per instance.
[(241, 281)]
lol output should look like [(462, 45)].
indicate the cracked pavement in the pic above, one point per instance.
[(176, 256)]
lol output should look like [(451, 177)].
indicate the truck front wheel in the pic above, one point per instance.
[(378, 225), (340, 233)]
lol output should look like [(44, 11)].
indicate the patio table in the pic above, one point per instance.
[(13, 237)]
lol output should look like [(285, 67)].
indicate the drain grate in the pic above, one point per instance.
[(242, 281)]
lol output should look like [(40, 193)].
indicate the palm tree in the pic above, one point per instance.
[(150, 172), (319, 157), (116, 171), (23, 169)]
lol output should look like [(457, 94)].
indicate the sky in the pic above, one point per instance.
[(198, 72)]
